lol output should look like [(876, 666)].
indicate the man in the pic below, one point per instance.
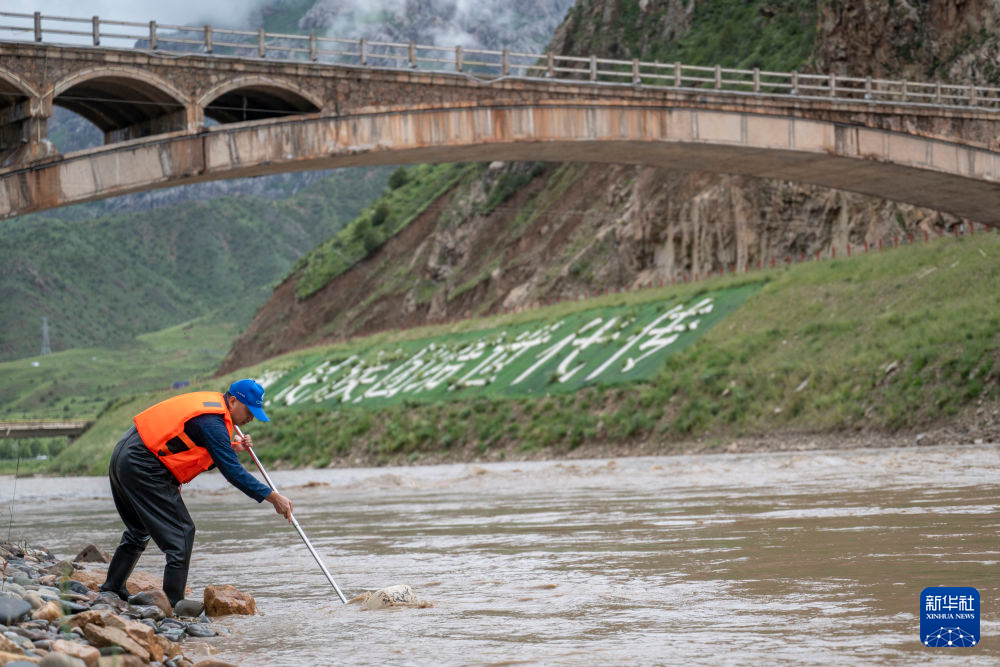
[(171, 443)]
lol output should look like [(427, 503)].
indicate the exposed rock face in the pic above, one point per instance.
[(588, 27), (950, 40), (607, 227)]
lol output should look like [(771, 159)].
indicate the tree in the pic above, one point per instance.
[(399, 178)]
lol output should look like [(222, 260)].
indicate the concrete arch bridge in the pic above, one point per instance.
[(170, 119)]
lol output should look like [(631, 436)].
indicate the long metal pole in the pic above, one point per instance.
[(296, 524)]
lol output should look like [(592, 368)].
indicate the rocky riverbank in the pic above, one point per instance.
[(52, 615)]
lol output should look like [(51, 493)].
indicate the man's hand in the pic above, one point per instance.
[(282, 505), (243, 444)]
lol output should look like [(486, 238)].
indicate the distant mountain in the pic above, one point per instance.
[(107, 278)]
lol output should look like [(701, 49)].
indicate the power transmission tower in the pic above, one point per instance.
[(46, 347)]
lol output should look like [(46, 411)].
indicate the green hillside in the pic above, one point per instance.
[(770, 34), (103, 280), (889, 341)]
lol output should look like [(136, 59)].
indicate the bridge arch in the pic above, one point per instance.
[(21, 119), (123, 103), (13, 87), (250, 98), (946, 176)]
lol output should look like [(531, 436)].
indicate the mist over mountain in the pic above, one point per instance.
[(520, 25)]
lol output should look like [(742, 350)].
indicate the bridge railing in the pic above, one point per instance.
[(488, 64)]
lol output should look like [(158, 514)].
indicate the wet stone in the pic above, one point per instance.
[(13, 610), (60, 660), (92, 554), (69, 607), (147, 611), (34, 600), (36, 625), (74, 586), (23, 642), (143, 599), (200, 630), (173, 634), (189, 608), (15, 588)]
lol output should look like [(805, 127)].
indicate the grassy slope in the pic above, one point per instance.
[(809, 352), (416, 188)]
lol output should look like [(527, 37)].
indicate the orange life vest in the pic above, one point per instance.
[(165, 421)]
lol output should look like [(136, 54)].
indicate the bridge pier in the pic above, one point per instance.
[(23, 134)]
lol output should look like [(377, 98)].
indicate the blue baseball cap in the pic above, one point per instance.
[(250, 394)]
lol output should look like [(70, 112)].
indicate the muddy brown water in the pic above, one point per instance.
[(797, 558)]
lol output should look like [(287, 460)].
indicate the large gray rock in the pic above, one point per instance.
[(188, 607), (13, 610)]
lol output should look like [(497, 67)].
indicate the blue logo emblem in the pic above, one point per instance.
[(949, 616)]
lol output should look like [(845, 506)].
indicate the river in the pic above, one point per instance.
[(801, 558)]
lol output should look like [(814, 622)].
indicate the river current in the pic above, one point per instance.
[(801, 558)]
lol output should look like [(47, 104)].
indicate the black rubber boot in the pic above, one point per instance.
[(119, 570), (174, 582)]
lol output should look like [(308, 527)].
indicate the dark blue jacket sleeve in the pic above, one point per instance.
[(209, 431)]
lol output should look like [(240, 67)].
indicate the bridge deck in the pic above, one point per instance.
[(44, 428)]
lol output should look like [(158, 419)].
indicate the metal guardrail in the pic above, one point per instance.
[(493, 64)]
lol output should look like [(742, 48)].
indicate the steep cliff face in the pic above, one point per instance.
[(582, 228), (950, 40)]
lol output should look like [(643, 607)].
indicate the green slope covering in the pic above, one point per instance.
[(610, 345), (104, 280), (886, 341)]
